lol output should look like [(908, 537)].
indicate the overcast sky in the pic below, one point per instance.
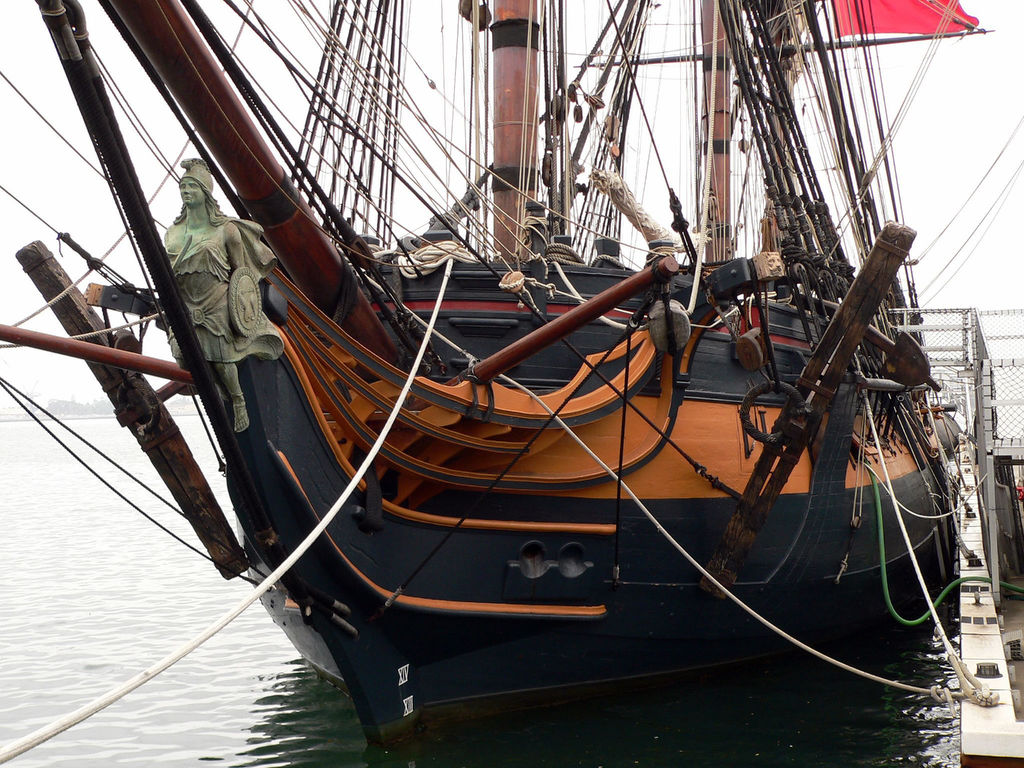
[(961, 119)]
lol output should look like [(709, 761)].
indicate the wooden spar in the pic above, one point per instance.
[(660, 272), (817, 385), (791, 50), (515, 38), (95, 353), (717, 116), (174, 46), (137, 406)]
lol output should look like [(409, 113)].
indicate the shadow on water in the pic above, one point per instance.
[(787, 711)]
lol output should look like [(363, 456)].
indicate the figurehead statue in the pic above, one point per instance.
[(218, 262)]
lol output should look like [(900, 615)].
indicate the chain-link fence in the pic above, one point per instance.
[(978, 357), (1001, 344), (1003, 332), (946, 335)]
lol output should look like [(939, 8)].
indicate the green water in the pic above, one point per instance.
[(92, 594)]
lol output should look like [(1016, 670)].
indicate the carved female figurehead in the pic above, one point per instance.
[(218, 262)]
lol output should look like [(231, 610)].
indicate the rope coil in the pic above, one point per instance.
[(432, 256), (562, 254)]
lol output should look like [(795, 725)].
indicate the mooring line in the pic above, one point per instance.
[(60, 725), (941, 695), (972, 689)]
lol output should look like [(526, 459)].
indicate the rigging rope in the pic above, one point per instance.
[(404, 99), (705, 195), (987, 220), (970, 196), (94, 334), (23, 401)]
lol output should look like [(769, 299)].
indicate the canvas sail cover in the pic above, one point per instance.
[(926, 17)]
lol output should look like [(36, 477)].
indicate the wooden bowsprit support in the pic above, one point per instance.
[(802, 415), (92, 352), (137, 406)]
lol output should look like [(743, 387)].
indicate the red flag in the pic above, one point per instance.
[(926, 17)]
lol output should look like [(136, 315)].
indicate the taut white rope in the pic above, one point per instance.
[(47, 732), (973, 689), (939, 694)]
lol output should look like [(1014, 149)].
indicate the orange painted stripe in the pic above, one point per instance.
[(591, 529), (521, 609)]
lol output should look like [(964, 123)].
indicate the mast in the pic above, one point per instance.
[(166, 34), (515, 37), (717, 119)]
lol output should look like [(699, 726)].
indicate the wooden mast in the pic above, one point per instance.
[(515, 37), (175, 48), (717, 116)]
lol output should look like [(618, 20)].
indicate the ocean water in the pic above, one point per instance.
[(92, 593)]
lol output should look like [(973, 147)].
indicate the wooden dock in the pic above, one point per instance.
[(978, 356), (990, 645)]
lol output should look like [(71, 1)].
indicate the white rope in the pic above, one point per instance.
[(935, 692), (52, 301), (60, 725), (576, 295), (432, 256), (972, 689), (903, 507), (77, 282)]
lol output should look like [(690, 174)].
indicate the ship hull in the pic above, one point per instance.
[(551, 596)]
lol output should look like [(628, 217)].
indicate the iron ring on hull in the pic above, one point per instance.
[(770, 438)]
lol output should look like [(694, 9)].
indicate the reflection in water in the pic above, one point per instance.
[(301, 720), (788, 711)]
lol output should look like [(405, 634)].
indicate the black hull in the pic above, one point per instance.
[(462, 644)]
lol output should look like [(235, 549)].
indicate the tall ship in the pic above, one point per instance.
[(595, 389)]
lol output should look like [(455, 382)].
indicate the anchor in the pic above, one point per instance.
[(816, 387)]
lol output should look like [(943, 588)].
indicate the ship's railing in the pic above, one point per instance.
[(946, 335), (978, 357), (999, 425)]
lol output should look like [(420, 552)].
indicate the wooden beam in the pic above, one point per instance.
[(575, 318), (96, 353)]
